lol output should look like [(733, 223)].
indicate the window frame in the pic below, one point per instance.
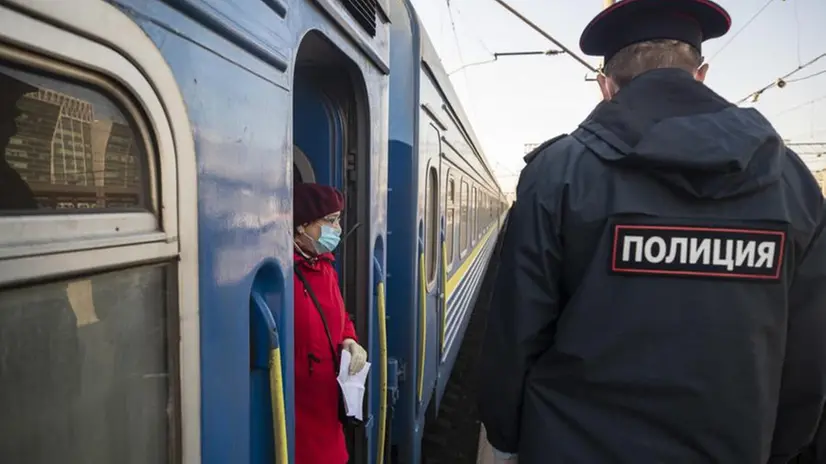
[(450, 207), (35, 233), (99, 39), (431, 224)]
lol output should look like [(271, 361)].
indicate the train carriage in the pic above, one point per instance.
[(444, 205), (214, 95), (145, 295)]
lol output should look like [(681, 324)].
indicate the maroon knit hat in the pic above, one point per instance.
[(314, 201)]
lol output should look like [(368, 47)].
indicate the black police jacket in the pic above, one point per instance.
[(661, 290)]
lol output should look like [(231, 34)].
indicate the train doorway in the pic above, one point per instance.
[(331, 137)]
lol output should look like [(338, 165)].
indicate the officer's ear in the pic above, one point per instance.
[(700, 73), (607, 87)]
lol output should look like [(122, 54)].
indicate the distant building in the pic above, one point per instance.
[(530, 146), (69, 158)]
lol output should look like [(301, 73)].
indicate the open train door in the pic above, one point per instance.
[(331, 134)]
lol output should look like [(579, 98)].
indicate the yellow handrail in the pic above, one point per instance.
[(279, 414), (422, 323), (382, 373)]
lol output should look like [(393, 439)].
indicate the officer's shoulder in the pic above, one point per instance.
[(543, 149), (543, 165)]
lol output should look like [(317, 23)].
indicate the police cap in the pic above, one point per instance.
[(631, 21)]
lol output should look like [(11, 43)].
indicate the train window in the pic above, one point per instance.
[(474, 211), (487, 211), (431, 212), (97, 157), (67, 147), (470, 232), (463, 218), (479, 212), (85, 369), (484, 211), (450, 211)]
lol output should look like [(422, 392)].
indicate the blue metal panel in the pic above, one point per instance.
[(238, 138), (402, 263), (401, 278), (232, 61)]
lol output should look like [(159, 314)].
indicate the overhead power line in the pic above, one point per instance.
[(546, 35), (799, 79), (455, 34), (806, 144), (731, 39), (780, 82), (496, 57), (808, 150), (802, 105)]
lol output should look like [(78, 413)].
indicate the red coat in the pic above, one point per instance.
[(319, 436)]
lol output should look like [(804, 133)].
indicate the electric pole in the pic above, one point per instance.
[(545, 34)]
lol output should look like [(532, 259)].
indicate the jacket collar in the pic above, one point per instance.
[(310, 262)]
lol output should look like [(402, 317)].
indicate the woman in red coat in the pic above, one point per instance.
[(319, 434)]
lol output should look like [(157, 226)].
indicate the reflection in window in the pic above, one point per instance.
[(84, 376), (65, 146)]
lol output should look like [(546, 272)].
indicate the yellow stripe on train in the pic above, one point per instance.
[(460, 273)]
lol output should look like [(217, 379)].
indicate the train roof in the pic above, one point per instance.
[(434, 63)]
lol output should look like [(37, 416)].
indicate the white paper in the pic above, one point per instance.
[(352, 386)]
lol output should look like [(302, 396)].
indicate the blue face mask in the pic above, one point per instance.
[(328, 240)]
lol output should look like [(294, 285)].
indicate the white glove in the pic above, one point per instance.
[(357, 355), (504, 458)]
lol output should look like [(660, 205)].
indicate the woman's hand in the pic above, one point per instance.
[(357, 355)]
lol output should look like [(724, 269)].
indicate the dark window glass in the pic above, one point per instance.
[(84, 373)]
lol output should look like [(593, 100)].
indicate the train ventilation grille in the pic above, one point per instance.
[(364, 12)]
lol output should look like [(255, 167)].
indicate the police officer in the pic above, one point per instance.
[(661, 291)]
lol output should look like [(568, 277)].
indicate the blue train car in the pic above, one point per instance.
[(444, 206), (150, 149)]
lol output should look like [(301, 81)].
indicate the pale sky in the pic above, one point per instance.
[(520, 100)]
